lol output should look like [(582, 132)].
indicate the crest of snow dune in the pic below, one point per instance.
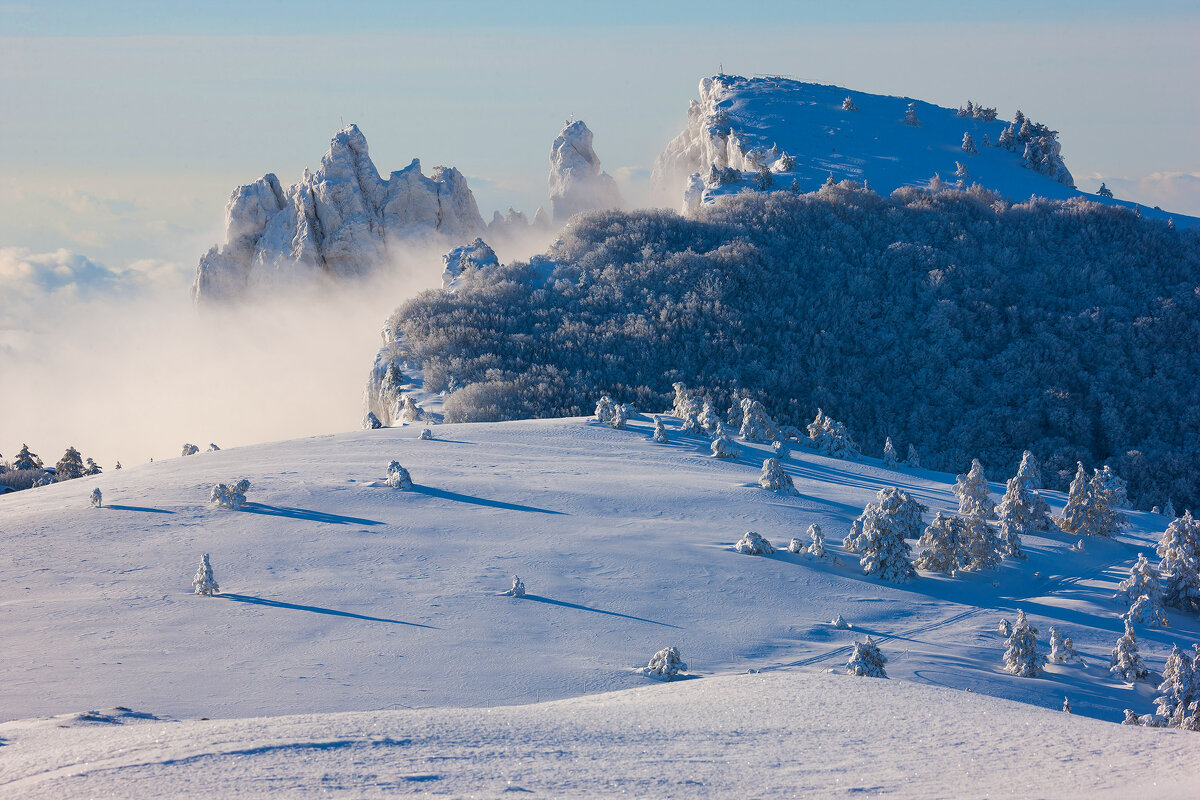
[(576, 181), (339, 221)]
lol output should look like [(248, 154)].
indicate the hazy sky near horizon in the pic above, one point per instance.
[(125, 125)]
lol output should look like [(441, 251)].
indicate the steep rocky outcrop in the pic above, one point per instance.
[(576, 180)]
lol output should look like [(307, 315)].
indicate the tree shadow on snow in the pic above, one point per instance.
[(139, 508), (261, 601), (430, 491), (565, 604), (308, 514)]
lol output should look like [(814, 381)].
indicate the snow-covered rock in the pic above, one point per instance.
[(339, 221), (476, 255), (576, 181)]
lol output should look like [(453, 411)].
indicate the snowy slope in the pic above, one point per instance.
[(739, 122), (777, 735), (341, 594)]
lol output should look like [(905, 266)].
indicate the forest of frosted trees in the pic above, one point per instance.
[(950, 319)]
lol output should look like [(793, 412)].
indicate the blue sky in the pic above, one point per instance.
[(125, 125)]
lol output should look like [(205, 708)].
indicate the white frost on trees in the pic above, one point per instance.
[(816, 547), (686, 402), (605, 409), (983, 549), (190, 449), (757, 425), (97, 499), (1066, 705), (879, 533), (889, 454), (620, 416), (233, 497), (848, 104), (913, 459), (796, 546), (426, 434), (398, 477), (708, 418), (722, 446), (968, 144), (972, 492), (944, 540), (866, 660), (1062, 650), (1004, 627), (665, 665), (831, 438), (1022, 510), (781, 449), (660, 432), (1126, 661), (1179, 564), (1029, 471), (774, 479), (840, 623), (518, 588), (753, 544), (407, 410), (1021, 656), (203, 582), (1179, 690), (1111, 487), (1088, 511), (1141, 594), (371, 422)]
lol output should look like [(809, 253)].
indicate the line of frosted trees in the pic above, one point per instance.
[(27, 470)]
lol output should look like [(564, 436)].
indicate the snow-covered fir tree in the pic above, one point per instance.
[(1088, 512), (1180, 687), (97, 498), (1021, 656), (426, 434), (722, 445), (686, 403), (665, 665), (1030, 472), (203, 582), (1130, 718), (816, 538), (757, 425), (92, 468), (70, 466), (848, 104), (518, 588), (774, 479), (408, 411), (371, 422), (1066, 705), (913, 459), (879, 533), (781, 449), (1111, 487), (797, 546), (1141, 594), (708, 418), (1004, 627), (944, 543), (910, 116), (620, 416), (1062, 650), (753, 544), (1104, 191), (983, 548), (1179, 563), (973, 494), (397, 476), (968, 144), (1126, 661), (1024, 507), (189, 449), (840, 623), (660, 432), (233, 497), (866, 660), (960, 171), (212, 447), (831, 438), (1169, 510), (889, 454), (26, 459)]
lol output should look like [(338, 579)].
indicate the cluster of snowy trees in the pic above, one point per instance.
[(26, 470), (999, 324), (1039, 148)]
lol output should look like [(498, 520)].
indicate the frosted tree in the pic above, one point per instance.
[(1180, 687), (518, 588), (757, 425), (781, 449), (753, 545), (879, 534), (773, 477), (92, 468), (665, 665), (70, 466), (620, 416), (1062, 650), (831, 438), (1021, 656), (816, 547), (839, 623), (944, 540), (1030, 472), (889, 454), (1111, 487), (722, 446), (398, 477), (972, 492), (968, 144), (1066, 705), (371, 422), (203, 582), (913, 459), (1088, 511), (848, 104), (708, 418), (960, 171), (910, 116), (983, 549), (1126, 661), (1141, 594), (660, 432), (27, 460), (1004, 627), (97, 499), (1179, 564), (1104, 191), (426, 434), (1168, 510), (189, 449), (212, 447), (1024, 507), (605, 409), (1130, 718), (796, 546), (866, 660), (686, 403), (233, 497), (408, 410)]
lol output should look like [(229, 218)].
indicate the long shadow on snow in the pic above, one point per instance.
[(565, 604), (430, 491), (262, 601), (139, 508), (308, 514)]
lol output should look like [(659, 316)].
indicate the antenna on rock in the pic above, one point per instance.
[(342, 120), (721, 68)]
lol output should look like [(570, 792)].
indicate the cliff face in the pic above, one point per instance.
[(576, 181), (338, 221)]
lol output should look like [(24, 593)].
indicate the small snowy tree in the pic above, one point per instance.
[(708, 418), (233, 497), (619, 417), (606, 409), (968, 144), (70, 466), (1180, 687), (1021, 656), (722, 446), (398, 477), (26, 459), (97, 498), (92, 468), (518, 588), (426, 435), (848, 104), (371, 422), (910, 116), (796, 546), (1111, 487), (1179, 564), (1004, 628), (1141, 594), (879, 534), (1062, 651), (774, 478), (960, 171), (1127, 662), (866, 660), (1168, 510), (816, 547), (1066, 705), (1030, 472), (753, 545), (889, 454), (1104, 191), (686, 403), (1088, 511), (665, 665), (840, 623), (660, 432), (944, 540), (913, 459), (983, 549), (757, 425), (190, 449), (831, 438), (408, 411), (1130, 718), (972, 492), (203, 582), (781, 449)]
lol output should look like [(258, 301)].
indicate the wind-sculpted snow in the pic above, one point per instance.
[(576, 181), (951, 320), (338, 222)]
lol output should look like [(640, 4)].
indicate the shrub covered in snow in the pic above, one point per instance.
[(816, 539), (840, 623), (665, 665), (190, 449), (757, 425), (1179, 690), (774, 479), (408, 411), (1004, 627), (97, 498), (797, 546), (831, 438), (972, 492), (866, 660), (1126, 661), (1021, 656), (753, 544), (518, 588), (203, 582), (848, 104), (686, 402), (722, 446), (230, 496), (660, 432), (398, 477), (620, 416), (1141, 594), (780, 449), (426, 434), (1062, 650), (605, 409), (371, 422), (1179, 564), (708, 418)]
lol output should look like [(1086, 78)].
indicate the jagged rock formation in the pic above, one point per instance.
[(576, 181), (339, 221)]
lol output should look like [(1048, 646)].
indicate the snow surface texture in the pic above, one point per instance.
[(766, 735), (576, 181), (801, 132), (339, 221)]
